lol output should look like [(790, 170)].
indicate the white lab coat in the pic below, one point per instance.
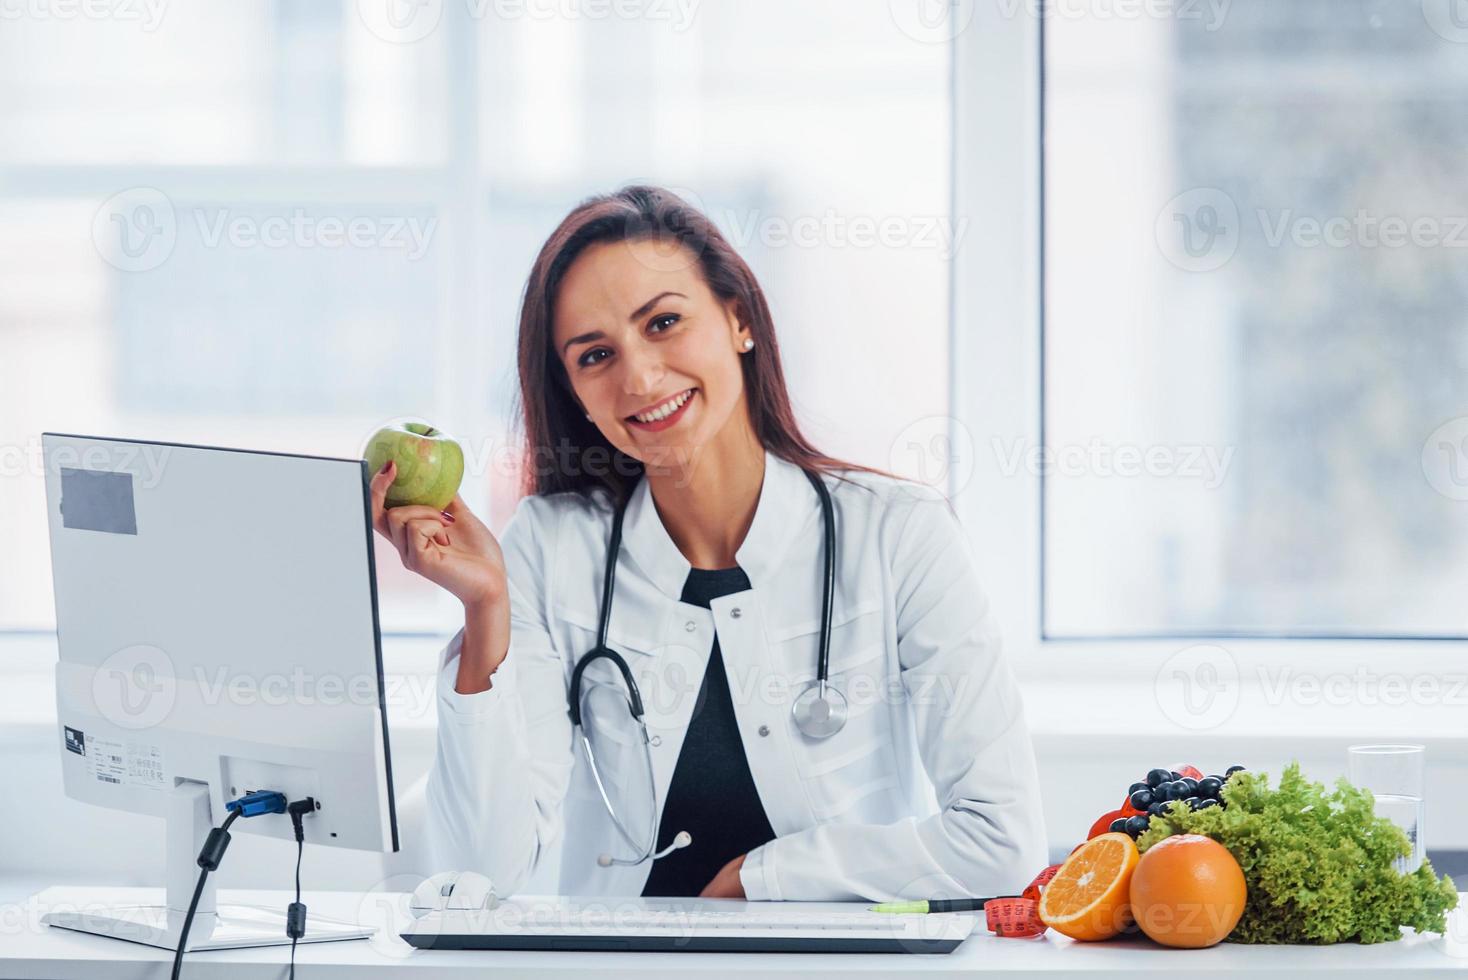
[(929, 790)]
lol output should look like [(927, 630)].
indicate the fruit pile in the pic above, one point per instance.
[(1319, 867), (1186, 892), (1159, 789)]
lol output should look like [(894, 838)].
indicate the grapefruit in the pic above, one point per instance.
[(1187, 891)]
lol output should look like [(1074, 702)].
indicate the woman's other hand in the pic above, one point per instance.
[(726, 883)]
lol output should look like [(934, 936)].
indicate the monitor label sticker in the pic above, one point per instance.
[(97, 500), (126, 763)]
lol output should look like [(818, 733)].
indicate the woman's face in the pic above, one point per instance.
[(639, 331)]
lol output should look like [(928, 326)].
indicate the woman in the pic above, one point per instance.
[(650, 382)]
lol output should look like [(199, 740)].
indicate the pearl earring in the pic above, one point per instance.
[(588, 416), (748, 342)]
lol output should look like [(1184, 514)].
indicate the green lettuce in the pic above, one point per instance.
[(1318, 864)]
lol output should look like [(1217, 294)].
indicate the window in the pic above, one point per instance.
[(1255, 320), (177, 196)]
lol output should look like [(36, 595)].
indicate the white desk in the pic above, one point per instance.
[(36, 952)]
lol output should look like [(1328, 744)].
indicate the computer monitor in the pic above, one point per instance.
[(216, 616)]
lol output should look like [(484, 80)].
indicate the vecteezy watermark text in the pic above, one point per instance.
[(410, 21), (1201, 229), (148, 14), (144, 461), (1209, 13), (1207, 463), (1201, 687), (833, 229), (940, 21), (409, 234), (136, 230)]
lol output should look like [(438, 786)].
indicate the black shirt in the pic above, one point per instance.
[(712, 794)]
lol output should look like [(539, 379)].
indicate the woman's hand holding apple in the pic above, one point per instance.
[(452, 548)]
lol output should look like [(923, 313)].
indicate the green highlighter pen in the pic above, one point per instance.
[(934, 905)]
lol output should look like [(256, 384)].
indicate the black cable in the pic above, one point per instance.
[(183, 939), (209, 859), (300, 847), (295, 916), (252, 804)]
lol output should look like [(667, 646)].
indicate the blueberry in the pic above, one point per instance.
[(1232, 770), (1157, 808), (1192, 783), (1174, 776), (1118, 826), (1209, 786), (1205, 804), (1136, 825), (1221, 779), (1136, 786), (1141, 799), (1192, 802), (1157, 777), (1178, 790)]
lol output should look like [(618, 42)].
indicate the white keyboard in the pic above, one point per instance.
[(689, 925)]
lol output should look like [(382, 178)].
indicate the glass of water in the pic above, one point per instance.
[(1394, 775)]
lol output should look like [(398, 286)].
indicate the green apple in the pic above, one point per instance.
[(430, 463)]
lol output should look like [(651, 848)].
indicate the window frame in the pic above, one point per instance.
[(998, 385)]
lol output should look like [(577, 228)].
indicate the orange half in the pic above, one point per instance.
[(1088, 897)]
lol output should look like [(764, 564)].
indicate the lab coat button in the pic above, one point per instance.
[(764, 730), (735, 612), (690, 626)]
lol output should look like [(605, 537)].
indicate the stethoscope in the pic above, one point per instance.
[(819, 711)]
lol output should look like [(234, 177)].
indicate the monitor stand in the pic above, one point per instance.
[(215, 926)]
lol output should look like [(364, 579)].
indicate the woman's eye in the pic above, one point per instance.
[(663, 322)]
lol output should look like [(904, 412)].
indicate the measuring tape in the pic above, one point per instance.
[(1018, 917)]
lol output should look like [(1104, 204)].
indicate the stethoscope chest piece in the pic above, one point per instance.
[(818, 715)]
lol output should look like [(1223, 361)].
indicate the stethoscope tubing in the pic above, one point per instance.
[(828, 722), (604, 616), (828, 584)]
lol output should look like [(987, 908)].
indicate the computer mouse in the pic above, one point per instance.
[(453, 891)]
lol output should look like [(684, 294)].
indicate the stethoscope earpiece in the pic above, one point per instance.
[(681, 840)]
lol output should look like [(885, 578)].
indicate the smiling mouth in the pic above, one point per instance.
[(666, 410)]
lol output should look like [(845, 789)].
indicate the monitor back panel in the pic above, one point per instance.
[(217, 620)]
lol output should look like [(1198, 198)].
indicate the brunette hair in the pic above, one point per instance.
[(580, 457)]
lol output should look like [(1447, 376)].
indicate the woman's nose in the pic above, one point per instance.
[(642, 370)]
